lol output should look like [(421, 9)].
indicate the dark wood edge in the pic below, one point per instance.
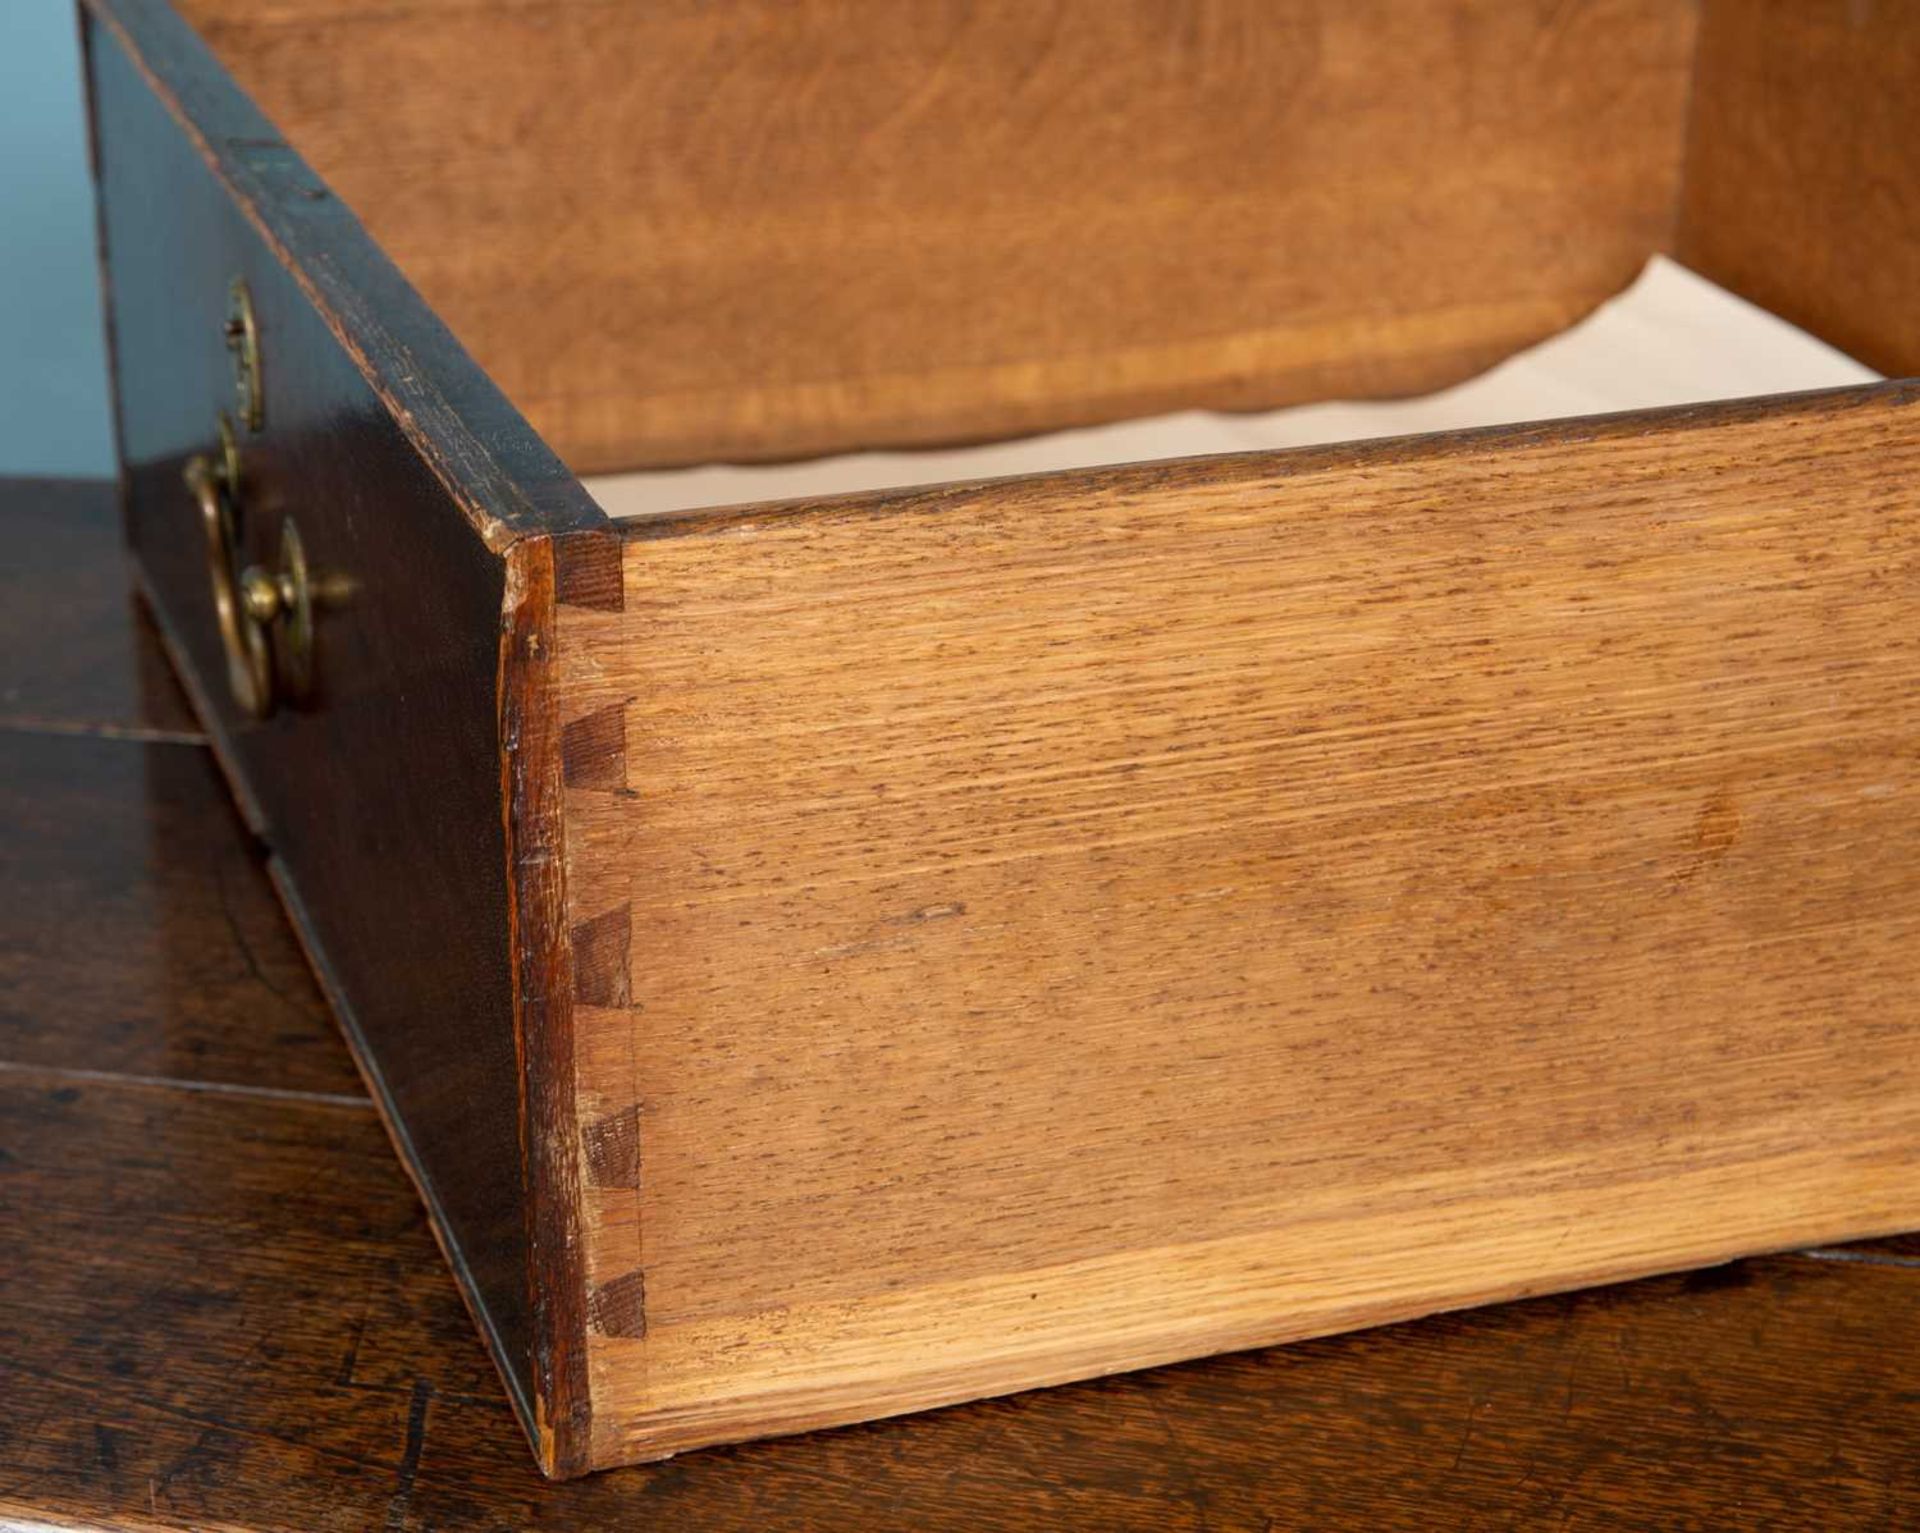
[(505, 479), (1135, 480), (557, 1418), (437, 1221), (533, 796)]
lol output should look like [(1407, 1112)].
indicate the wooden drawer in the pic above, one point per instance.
[(828, 959)]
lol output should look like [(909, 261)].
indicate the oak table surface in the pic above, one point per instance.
[(220, 1305)]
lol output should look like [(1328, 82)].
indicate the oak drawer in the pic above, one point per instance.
[(832, 958)]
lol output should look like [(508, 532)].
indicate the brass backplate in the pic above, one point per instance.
[(242, 334)]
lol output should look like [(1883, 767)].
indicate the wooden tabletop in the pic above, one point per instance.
[(220, 1305)]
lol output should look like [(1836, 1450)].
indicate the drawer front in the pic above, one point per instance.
[(378, 795)]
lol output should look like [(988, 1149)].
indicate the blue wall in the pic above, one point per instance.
[(53, 371)]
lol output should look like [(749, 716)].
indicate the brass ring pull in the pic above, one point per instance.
[(265, 616)]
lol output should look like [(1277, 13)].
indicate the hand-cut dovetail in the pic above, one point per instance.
[(593, 749), (586, 571), (612, 1147), (600, 949), (619, 1307)]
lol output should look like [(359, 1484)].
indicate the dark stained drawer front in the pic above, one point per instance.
[(379, 794)]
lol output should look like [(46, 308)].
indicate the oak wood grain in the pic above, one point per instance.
[(1802, 186), (1077, 922), (532, 788), (762, 229), (872, 954)]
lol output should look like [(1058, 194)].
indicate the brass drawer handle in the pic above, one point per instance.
[(265, 616)]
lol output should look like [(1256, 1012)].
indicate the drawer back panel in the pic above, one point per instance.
[(766, 228)]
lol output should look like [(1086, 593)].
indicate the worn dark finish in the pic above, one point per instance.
[(532, 792), (222, 1307), (69, 657), (501, 478), (381, 802)]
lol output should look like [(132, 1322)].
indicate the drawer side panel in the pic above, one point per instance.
[(1802, 186), (1086, 921)]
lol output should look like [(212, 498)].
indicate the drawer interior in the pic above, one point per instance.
[(766, 230)]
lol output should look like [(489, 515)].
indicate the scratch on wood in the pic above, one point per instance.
[(410, 1455)]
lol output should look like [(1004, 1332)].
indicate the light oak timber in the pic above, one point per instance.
[(1083, 921), (224, 1308)]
